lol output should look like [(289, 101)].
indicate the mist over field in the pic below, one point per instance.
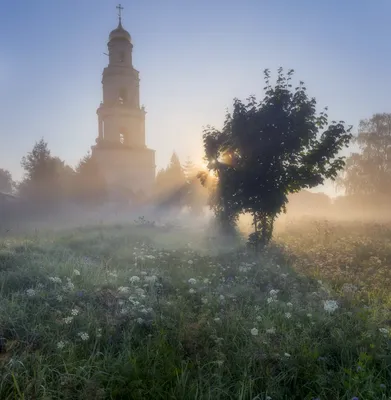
[(215, 244)]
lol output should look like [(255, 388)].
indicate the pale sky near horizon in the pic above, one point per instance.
[(194, 57)]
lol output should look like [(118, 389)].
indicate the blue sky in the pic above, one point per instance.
[(194, 57)]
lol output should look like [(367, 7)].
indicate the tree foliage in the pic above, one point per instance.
[(368, 172), (170, 190), (269, 149), (47, 179), (196, 194), (89, 185), (6, 182)]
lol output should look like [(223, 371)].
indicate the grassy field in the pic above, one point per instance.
[(130, 312)]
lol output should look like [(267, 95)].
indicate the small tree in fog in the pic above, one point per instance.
[(171, 185), (369, 172), (6, 182), (46, 178), (196, 197), (269, 149), (89, 183)]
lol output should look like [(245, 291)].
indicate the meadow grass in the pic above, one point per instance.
[(130, 312)]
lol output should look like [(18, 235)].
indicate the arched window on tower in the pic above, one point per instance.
[(123, 96), (121, 138), (121, 56)]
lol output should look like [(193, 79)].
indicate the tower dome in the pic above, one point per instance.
[(120, 33)]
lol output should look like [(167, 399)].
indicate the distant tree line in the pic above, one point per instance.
[(267, 154), (177, 187), (48, 182)]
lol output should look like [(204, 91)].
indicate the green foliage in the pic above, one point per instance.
[(171, 186), (47, 179), (89, 184), (369, 171), (196, 195), (105, 313), (269, 149), (6, 182)]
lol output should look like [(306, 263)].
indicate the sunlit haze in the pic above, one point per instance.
[(193, 58)]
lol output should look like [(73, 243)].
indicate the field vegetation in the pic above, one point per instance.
[(155, 312)]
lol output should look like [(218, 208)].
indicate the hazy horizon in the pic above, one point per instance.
[(193, 60)]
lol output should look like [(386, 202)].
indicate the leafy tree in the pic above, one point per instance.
[(369, 172), (171, 184), (6, 182), (175, 174), (46, 178), (196, 195), (269, 149), (89, 183)]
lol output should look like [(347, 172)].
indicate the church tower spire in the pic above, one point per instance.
[(119, 8), (121, 120)]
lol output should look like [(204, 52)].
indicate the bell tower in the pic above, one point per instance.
[(126, 162)]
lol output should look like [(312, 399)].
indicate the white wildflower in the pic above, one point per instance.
[(140, 321), (192, 291), (288, 315), (60, 345), (259, 318), (192, 281), (140, 292), (204, 300), (30, 292), (70, 285), (55, 279), (217, 319), (83, 336), (287, 355), (133, 301), (384, 331), (75, 312), (68, 320), (309, 315), (289, 304), (330, 305), (124, 289), (190, 262), (271, 331), (349, 288), (134, 279), (273, 292), (206, 281), (254, 331), (113, 274), (222, 297), (59, 298), (271, 300), (76, 272), (99, 333)]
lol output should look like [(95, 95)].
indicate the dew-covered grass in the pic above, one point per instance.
[(127, 312)]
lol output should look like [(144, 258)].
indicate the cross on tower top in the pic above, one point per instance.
[(119, 8)]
